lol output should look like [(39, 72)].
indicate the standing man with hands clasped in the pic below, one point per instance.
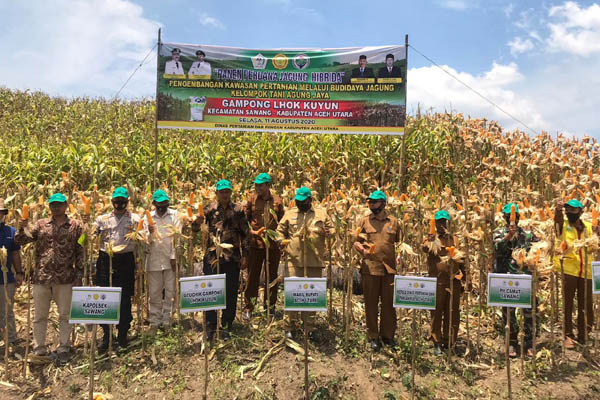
[(58, 267), (375, 242)]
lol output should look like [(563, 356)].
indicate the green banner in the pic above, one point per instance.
[(202, 293), (344, 90), (509, 290), (415, 292), (95, 305), (596, 275), (305, 294)]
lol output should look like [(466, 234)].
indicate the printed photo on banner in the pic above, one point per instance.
[(305, 294), (415, 292), (202, 293), (338, 90), (95, 305), (509, 290)]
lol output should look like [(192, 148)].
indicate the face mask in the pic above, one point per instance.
[(377, 210), (572, 218), (161, 209), (120, 206), (303, 206)]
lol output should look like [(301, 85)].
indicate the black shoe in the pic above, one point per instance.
[(210, 332), (122, 340), (374, 344), (103, 346), (437, 350), (388, 342)]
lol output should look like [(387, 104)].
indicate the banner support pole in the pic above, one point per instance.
[(154, 176), (403, 150)]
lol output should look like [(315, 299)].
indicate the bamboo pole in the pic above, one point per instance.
[(507, 344)]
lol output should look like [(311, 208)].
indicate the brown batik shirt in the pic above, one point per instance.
[(383, 231), (59, 257), (435, 268), (254, 209), (230, 225)]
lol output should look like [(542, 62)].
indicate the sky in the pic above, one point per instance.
[(537, 60)]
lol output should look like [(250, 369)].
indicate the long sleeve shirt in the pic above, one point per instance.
[(254, 210), (59, 257), (162, 247), (504, 262), (230, 225), (382, 231)]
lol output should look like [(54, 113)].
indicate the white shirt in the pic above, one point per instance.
[(174, 68), (162, 247), (200, 68)]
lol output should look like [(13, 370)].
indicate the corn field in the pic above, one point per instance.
[(86, 147)]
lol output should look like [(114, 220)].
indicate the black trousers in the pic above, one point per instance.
[(231, 269), (123, 276)]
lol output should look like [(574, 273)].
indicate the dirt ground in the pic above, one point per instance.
[(171, 366)]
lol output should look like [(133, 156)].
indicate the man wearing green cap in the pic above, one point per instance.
[(160, 261), (507, 239), (436, 247), (58, 267), (376, 236), (577, 274), (112, 229), (264, 209), (303, 230), (227, 223)]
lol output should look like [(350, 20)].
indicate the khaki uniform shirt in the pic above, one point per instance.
[(161, 250), (254, 213), (110, 227), (433, 261), (383, 231), (290, 227)]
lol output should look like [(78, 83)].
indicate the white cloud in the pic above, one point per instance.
[(508, 10), (207, 20), (574, 30), (62, 46), (518, 45), (431, 88)]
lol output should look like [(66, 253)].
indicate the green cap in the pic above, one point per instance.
[(302, 194), (120, 192), (574, 203), (223, 184), (57, 198), (508, 206), (378, 195), (442, 214), (159, 196), (262, 178)]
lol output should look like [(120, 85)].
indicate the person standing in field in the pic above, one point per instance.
[(58, 267), (227, 224), (440, 317), (506, 240), (577, 273), (161, 261), (375, 241), (112, 229), (302, 231), (262, 203), (14, 274)]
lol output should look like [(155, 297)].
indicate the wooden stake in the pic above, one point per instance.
[(304, 325), (28, 329), (6, 308), (330, 283), (110, 283), (205, 339), (92, 361), (507, 344), (534, 316), (564, 320), (413, 353), (267, 292)]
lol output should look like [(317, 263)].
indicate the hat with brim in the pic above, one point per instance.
[(159, 196), (442, 214), (302, 194), (262, 178), (378, 195), (120, 192), (508, 206), (57, 198), (574, 203), (223, 184)]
